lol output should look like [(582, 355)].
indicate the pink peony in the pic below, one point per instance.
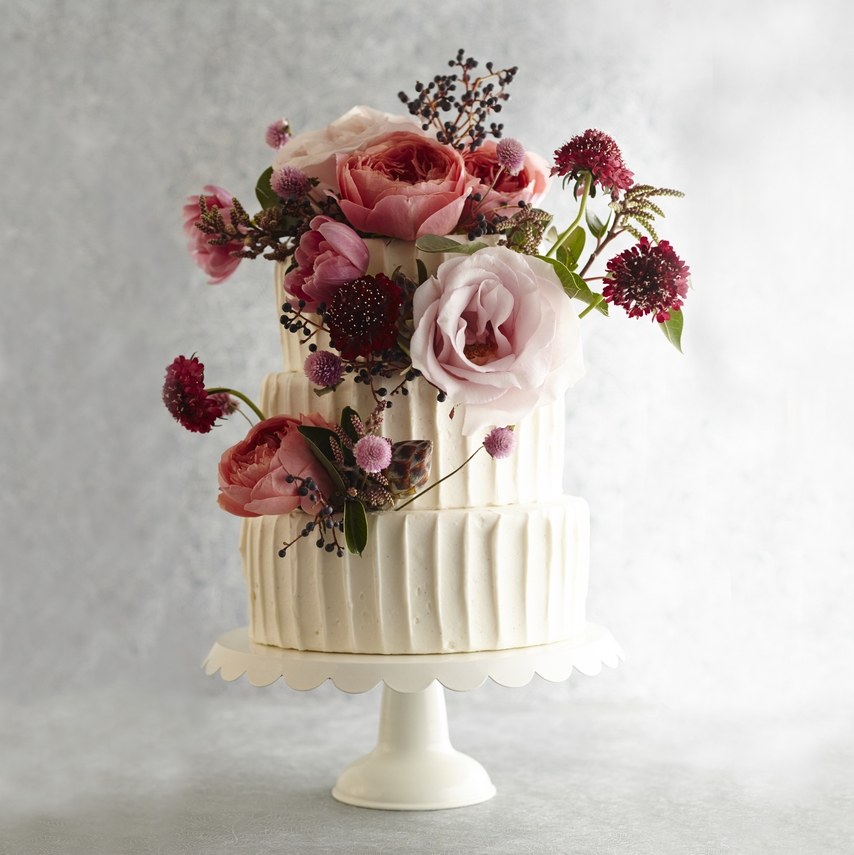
[(496, 332), (403, 186), (328, 255), (314, 152), (253, 475), (529, 185), (217, 261)]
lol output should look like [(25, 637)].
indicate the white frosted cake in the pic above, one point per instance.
[(493, 558)]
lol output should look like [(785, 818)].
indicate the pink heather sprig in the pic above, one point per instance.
[(500, 442), (278, 133), (372, 453), (289, 182)]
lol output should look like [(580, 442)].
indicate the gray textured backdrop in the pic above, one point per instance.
[(720, 482)]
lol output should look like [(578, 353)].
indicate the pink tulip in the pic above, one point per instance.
[(217, 261)]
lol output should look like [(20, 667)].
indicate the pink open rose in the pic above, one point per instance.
[(529, 185), (328, 255), (253, 474), (217, 261), (314, 152), (403, 186), (497, 333)]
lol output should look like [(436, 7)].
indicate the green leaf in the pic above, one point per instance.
[(347, 423), (264, 192), (435, 243), (355, 526), (320, 442), (575, 286), (569, 253), (596, 226), (672, 329), (423, 275)]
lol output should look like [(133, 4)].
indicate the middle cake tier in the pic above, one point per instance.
[(533, 473)]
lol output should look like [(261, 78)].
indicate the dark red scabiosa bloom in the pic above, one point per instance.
[(185, 397), (647, 279), (598, 154), (362, 316)]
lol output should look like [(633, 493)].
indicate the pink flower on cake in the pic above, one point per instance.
[(314, 152), (217, 261), (328, 255), (529, 184), (403, 186), (267, 472), (496, 332)]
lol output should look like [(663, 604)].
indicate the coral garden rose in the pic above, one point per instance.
[(403, 186), (314, 152), (497, 333), (328, 255), (217, 261), (529, 185), (253, 473)]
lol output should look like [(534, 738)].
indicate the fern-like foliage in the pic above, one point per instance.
[(637, 211)]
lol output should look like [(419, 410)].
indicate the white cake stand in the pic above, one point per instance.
[(413, 766)]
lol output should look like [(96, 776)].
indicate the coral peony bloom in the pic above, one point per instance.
[(253, 475), (314, 152), (647, 279), (528, 185), (403, 186), (328, 255), (217, 261), (496, 332)]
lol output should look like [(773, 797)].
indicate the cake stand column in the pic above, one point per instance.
[(414, 766)]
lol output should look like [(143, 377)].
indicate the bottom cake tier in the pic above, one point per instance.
[(432, 581)]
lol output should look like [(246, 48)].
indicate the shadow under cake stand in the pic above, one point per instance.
[(413, 766)]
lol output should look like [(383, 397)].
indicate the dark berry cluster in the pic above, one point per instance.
[(325, 527), (473, 98)]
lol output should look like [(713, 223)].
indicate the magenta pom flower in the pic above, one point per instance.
[(288, 182), (510, 154), (500, 442), (598, 154), (324, 368), (185, 397), (647, 279), (278, 133), (372, 453), (362, 316)]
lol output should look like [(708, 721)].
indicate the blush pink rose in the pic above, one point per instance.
[(497, 333), (253, 473), (315, 152), (328, 255), (403, 186), (216, 261), (529, 185)]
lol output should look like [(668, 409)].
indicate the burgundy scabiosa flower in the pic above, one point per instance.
[(185, 397), (362, 316), (647, 279), (597, 153)]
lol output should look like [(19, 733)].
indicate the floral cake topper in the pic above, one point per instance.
[(495, 330)]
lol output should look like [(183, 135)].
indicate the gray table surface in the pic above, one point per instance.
[(231, 768)]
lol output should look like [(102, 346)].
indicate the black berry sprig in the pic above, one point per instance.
[(473, 98)]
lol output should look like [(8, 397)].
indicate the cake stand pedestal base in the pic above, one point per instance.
[(413, 766)]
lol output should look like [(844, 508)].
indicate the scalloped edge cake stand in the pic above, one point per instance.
[(413, 766)]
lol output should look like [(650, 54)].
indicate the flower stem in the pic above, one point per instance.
[(449, 475), (219, 389), (585, 194)]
